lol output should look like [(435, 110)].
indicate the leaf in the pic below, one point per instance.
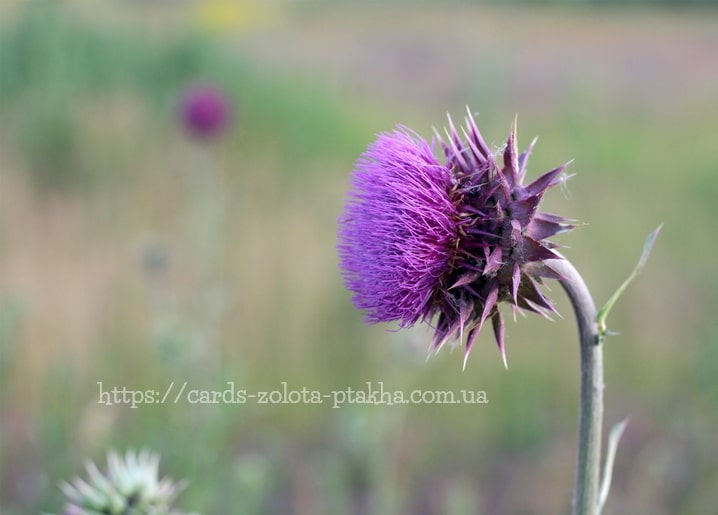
[(603, 312), (613, 438)]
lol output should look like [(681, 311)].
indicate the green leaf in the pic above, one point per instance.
[(603, 312), (613, 439)]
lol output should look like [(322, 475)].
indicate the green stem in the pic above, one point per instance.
[(585, 500)]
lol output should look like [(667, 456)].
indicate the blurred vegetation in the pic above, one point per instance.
[(134, 257), (54, 66)]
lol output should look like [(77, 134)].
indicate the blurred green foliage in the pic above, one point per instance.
[(53, 65)]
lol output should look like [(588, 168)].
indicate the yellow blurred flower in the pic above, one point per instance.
[(232, 15)]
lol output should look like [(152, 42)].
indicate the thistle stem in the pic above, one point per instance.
[(585, 498)]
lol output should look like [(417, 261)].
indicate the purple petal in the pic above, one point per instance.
[(398, 230)]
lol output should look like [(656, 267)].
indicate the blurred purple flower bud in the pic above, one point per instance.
[(205, 111)]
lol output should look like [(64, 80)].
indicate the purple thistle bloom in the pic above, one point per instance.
[(445, 242), (205, 112)]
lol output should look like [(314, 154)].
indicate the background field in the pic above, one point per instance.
[(133, 256)]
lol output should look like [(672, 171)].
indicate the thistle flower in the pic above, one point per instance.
[(205, 112), (129, 487), (444, 241)]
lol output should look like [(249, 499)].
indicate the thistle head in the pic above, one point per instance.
[(444, 240), (129, 486), (205, 112)]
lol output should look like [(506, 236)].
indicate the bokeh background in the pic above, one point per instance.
[(133, 255)]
